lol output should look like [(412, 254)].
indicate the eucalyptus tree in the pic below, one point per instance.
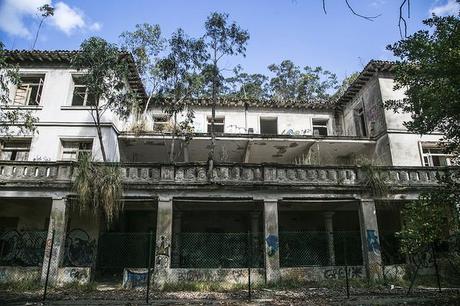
[(290, 82), (246, 85), (46, 11), (179, 80), (23, 120), (105, 73), (145, 43), (222, 38)]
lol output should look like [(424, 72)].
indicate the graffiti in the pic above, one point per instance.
[(78, 274), (272, 245), (162, 251), (373, 244), (80, 250), (233, 128), (135, 279), (423, 259), (22, 249), (216, 275), (339, 272), (296, 132)]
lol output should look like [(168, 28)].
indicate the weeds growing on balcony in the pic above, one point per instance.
[(98, 187)]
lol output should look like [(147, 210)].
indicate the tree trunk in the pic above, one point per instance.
[(213, 117), (171, 153), (99, 135)]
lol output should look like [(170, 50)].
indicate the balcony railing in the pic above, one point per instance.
[(236, 174)]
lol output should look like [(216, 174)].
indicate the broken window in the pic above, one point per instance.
[(29, 90), (319, 127), (360, 122), (72, 150), (15, 150), (219, 123), (269, 126), (160, 123), (434, 156), (81, 96)]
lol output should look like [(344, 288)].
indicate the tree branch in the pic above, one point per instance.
[(370, 18), (324, 7), (402, 20)]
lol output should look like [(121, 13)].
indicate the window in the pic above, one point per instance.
[(72, 150), (319, 127), (160, 123), (219, 123), (29, 90), (81, 96), (269, 126), (360, 122), (434, 156), (15, 150)]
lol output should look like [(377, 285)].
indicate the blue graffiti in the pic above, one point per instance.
[(136, 279), (272, 244), (373, 244)]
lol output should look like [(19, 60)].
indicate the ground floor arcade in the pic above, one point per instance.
[(188, 238)]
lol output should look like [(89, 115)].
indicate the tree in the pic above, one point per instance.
[(347, 81), (23, 120), (246, 86), (178, 75), (222, 39), (46, 11), (105, 74), (145, 44), (428, 70), (291, 83)]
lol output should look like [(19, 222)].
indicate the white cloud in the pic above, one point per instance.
[(15, 13), (67, 19), (452, 7)]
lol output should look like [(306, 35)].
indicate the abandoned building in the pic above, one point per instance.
[(287, 189)]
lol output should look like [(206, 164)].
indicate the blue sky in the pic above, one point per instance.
[(280, 29)]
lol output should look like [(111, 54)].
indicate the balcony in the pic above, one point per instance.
[(59, 174)]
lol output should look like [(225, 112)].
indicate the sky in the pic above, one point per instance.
[(298, 30)]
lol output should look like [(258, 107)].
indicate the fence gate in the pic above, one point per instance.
[(120, 250)]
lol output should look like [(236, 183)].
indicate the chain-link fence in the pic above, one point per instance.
[(217, 250), (23, 249), (312, 248)]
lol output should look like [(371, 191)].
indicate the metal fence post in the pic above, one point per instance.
[(249, 264), (346, 266), (149, 264), (49, 265)]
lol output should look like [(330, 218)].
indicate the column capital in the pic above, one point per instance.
[(164, 199), (271, 200), (328, 214)]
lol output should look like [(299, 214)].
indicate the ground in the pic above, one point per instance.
[(298, 296)]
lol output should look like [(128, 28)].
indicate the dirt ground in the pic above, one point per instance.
[(304, 296)]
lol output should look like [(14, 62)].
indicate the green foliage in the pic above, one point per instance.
[(246, 86), (99, 188), (427, 221), (291, 83), (105, 75), (373, 178), (428, 70), (347, 81), (24, 120)]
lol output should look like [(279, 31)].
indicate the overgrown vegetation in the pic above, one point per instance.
[(98, 187)]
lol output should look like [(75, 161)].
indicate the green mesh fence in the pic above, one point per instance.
[(24, 249), (309, 248), (217, 250), (390, 249), (117, 251)]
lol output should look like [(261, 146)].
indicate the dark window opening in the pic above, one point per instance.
[(29, 90), (15, 150), (320, 127), (81, 95), (361, 129), (269, 126), (219, 123)]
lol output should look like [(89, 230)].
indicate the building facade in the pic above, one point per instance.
[(290, 189)]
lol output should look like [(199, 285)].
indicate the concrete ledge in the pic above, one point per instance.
[(321, 273), (9, 274), (79, 275)]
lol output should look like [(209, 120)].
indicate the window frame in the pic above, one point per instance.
[(427, 156), (28, 88), (75, 149), (74, 86), (16, 149), (315, 124), (275, 118), (216, 124), (160, 125)]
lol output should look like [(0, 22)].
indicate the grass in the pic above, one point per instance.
[(21, 286)]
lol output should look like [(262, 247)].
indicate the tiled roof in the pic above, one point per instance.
[(28, 57), (368, 72), (253, 103)]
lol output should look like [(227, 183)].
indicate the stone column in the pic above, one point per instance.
[(329, 226), (58, 224), (177, 225), (272, 255), (370, 238), (163, 240)]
